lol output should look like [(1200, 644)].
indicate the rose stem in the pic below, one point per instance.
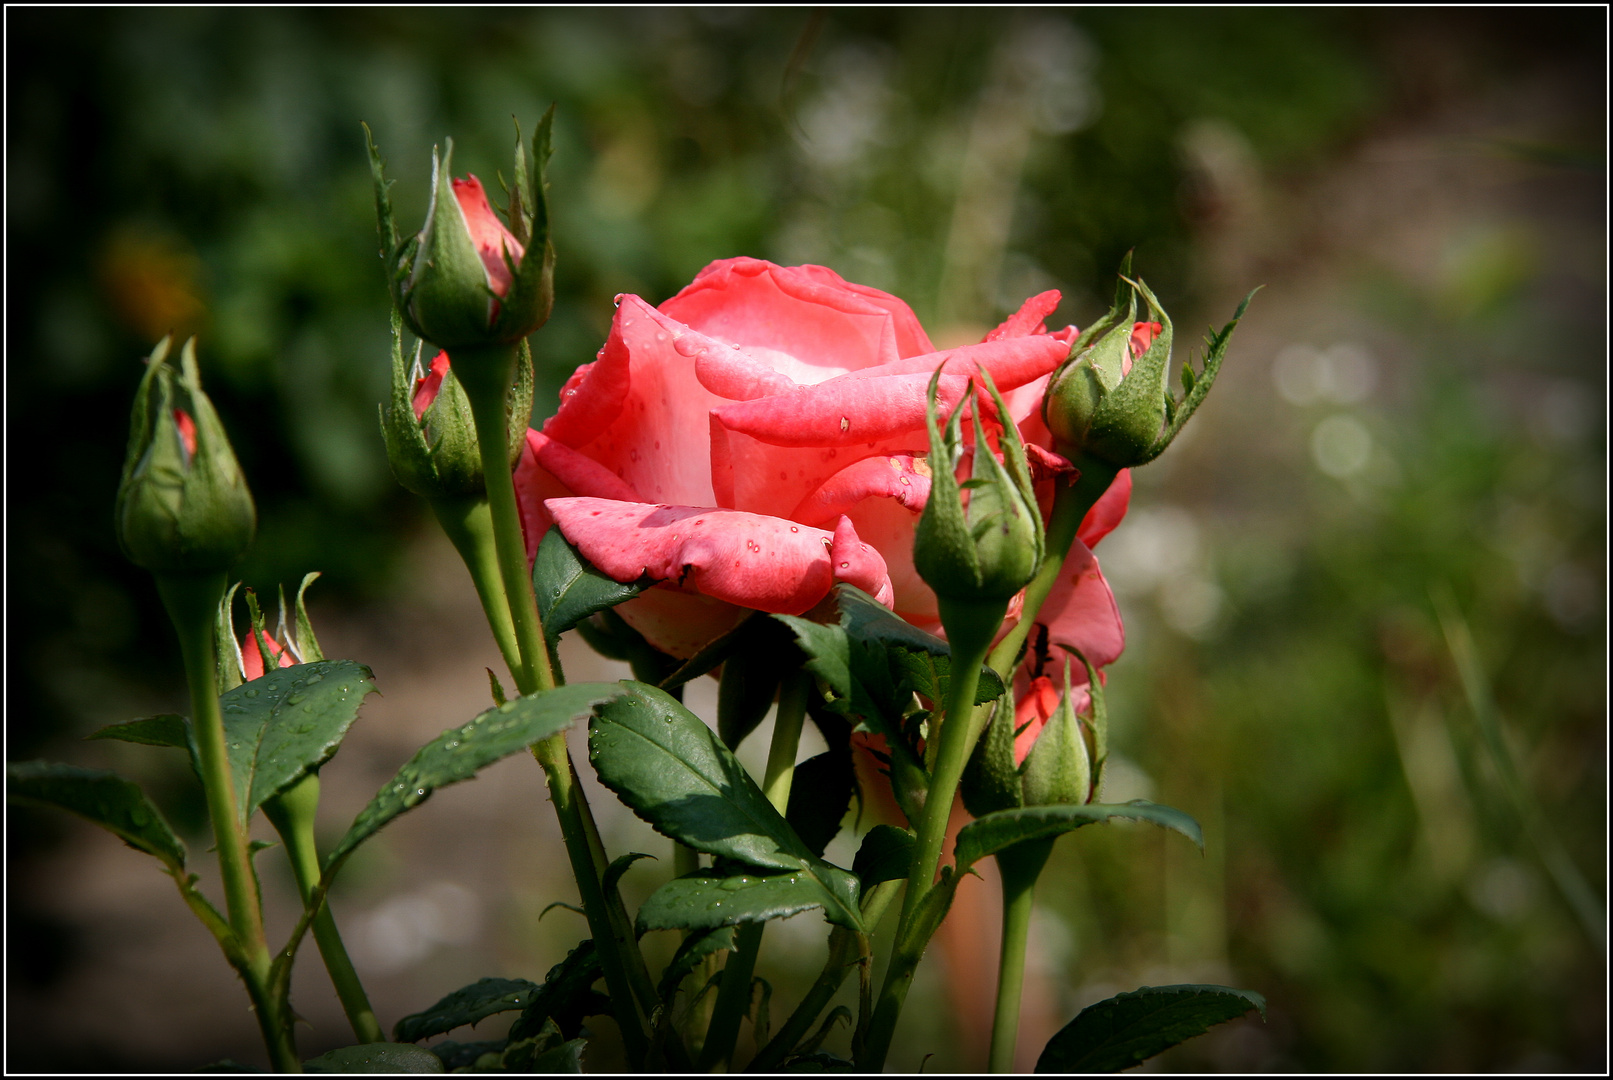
[(970, 626), (469, 524), (292, 814), (192, 602), (1020, 866), (487, 376), (733, 996), (847, 949)]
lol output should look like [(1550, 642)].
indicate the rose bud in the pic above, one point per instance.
[(182, 505), (1051, 746), (430, 436), (989, 549), (1111, 400), (466, 281)]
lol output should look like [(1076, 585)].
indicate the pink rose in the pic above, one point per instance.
[(761, 435)]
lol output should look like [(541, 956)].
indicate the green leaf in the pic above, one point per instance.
[(705, 900), (674, 772), (1005, 828), (1129, 1028), (458, 753), (568, 587), (695, 948), (618, 866), (566, 996), (565, 1058), (751, 677), (375, 1058), (866, 620), (820, 795), (307, 644), (466, 1005), (280, 727), (105, 798), (713, 653), (458, 1055), (164, 729), (886, 855), (818, 1063)]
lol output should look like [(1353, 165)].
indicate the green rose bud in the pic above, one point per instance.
[(1057, 769), (992, 548), (183, 506), (1111, 400), (430, 436), (466, 281)]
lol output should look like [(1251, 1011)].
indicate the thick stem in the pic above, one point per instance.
[(469, 524), (1070, 505), (565, 792), (970, 626), (1020, 866), (733, 996), (487, 377), (292, 814), (192, 602)]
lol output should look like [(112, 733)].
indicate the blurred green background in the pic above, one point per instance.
[(1411, 421)]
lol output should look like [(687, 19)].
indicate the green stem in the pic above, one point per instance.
[(566, 794), (487, 377), (1020, 866), (970, 626), (1070, 505), (847, 949), (292, 814), (192, 602), (469, 525), (733, 995)]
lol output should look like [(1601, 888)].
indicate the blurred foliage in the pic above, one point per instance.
[(202, 171)]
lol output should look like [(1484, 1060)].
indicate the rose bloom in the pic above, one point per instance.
[(761, 435)]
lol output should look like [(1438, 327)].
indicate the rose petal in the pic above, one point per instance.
[(1012, 362), (677, 621), (902, 477), (430, 385), (488, 233), (1107, 512), (1037, 703), (808, 326), (641, 411), (856, 563), (1080, 611), (752, 560), (1028, 319)]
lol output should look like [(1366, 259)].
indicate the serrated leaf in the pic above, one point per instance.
[(695, 948), (886, 854), (868, 621), (280, 727), (566, 996), (375, 1058), (706, 900), (992, 833), (164, 729), (105, 798), (458, 753), (467, 1005), (673, 771), (820, 795), (1130, 1028), (618, 866), (568, 587)]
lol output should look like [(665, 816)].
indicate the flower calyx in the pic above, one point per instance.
[(467, 280), (427, 425), (990, 548), (183, 506)]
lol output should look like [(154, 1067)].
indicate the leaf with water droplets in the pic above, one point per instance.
[(458, 753), (703, 901), (466, 1005), (568, 587), (673, 771), (1129, 1028), (281, 727), (102, 797)]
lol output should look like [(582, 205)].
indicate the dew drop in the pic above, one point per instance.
[(313, 678), (251, 693), (508, 706), (295, 699), (734, 884)]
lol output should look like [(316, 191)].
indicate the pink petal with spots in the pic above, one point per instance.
[(677, 621), (751, 560), (903, 477), (856, 563), (1081, 611)]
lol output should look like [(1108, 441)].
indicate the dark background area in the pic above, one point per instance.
[(1412, 415)]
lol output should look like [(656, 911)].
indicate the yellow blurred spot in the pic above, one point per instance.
[(149, 279)]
